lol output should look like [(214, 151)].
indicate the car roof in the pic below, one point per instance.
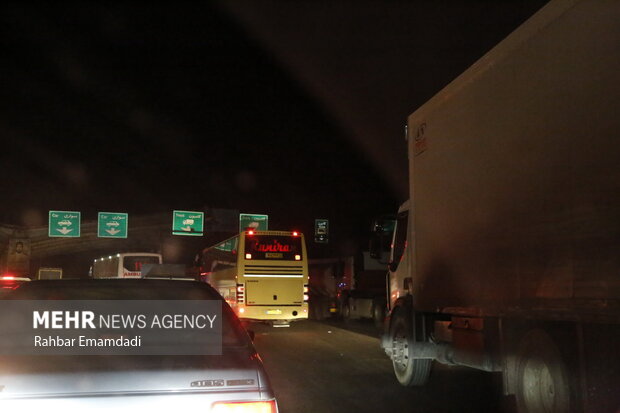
[(116, 289)]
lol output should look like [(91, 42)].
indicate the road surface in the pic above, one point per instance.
[(316, 367)]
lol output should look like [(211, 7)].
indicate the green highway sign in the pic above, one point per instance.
[(112, 225), (321, 231), (253, 221), (228, 245), (188, 223), (64, 224)]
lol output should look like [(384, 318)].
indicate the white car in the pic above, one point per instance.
[(234, 381)]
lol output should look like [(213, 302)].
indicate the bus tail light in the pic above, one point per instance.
[(245, 407), (240, 293), (306, 297), (297, 257), (250, 232), (248, 256), (295, 233), (241, 310)]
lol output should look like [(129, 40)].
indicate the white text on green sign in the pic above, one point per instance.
[(187, 223), (321, 230), (64, 224), (112, 225), (256, 222)]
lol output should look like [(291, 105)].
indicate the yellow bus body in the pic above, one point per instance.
[(269, 288)]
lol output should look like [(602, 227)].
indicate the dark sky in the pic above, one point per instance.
[(295, 109)]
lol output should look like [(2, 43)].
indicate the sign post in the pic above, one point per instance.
[(188, 223), (256, 222), (112, 225), (64, 224)]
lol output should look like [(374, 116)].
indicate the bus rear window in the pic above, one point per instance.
[(136, 263), (273, 247)]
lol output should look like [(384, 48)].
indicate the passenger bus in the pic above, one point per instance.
[(123, 265), (263, 275)]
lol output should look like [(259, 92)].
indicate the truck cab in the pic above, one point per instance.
[(399, 275)]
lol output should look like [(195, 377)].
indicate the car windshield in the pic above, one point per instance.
[(279, 247), (399, 206), (135, 263)]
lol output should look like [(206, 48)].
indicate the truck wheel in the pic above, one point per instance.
[(542, 377), (409, 371)]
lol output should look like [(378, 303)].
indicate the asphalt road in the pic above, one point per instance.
[(317, 367)]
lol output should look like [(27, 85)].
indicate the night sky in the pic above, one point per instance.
[(295, 109)]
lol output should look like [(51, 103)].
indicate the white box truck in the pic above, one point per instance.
[(506, 258), (123, 265)]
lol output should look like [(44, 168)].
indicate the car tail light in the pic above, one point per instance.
[(8, 277), (295, 233), (250, 232), (245, 407)]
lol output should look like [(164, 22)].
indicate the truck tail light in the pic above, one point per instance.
[(245, 407)]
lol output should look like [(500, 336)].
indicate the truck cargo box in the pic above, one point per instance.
[(515, 173)]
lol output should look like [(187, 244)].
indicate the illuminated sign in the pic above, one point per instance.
[(188, 223), (256, 222), (321, 230), (273, 247), (64, 224), (112, 225)]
